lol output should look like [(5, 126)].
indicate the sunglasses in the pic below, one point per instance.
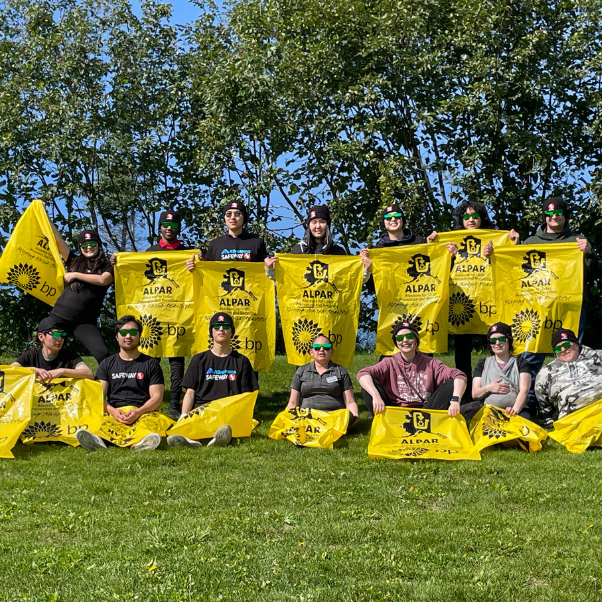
[(57, 334), (555, 212), (233, 214), (500, 340), (172, 225), (131, 331), (400, 337), (390, 216), (219, 325), (469, 215), (562, 346), (325, 346), (89, 245)]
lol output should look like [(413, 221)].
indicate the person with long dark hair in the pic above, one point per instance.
[(88, 278)]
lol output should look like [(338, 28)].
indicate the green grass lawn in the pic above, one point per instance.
[(263, 520)]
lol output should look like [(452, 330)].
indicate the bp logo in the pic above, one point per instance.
[(41, 430), (535, 267), (304, 333), (525, 325), (461, 308), (317, 272), (469, 247), (234, 281), (156, 271), (411, 318), (24, 276), (419, 267), (152, 332)]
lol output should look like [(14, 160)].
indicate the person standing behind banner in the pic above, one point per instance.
[(556, 229), (52, 360), (503, 379), (170, 226), (470, 215), (322, 384), (214, 374), (87, 281)]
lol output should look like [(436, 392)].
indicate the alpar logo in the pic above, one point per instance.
[(469, 247), (24, 276), (418, 426), (419, 267), (152, 332), (156, 270), (536, 270), (234, 282), (5, 398), (317, 272)]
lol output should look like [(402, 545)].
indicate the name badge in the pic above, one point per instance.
[(332, 379)]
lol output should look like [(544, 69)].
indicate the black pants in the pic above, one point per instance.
[(176, 365), (463, 356), (89, 336)]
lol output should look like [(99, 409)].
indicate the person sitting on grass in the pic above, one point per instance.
[(214, 374), (571, 381), (322, 384), (52, 361), (411, 379), (502, 380), (128, 378)]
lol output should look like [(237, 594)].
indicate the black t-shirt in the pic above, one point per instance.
[(214, 377), (82, 306), (65, 358), (298, 249), (245, 247), (130, 381), (521, 363), (158, 247)]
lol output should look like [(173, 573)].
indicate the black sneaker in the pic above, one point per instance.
[(174, 411)]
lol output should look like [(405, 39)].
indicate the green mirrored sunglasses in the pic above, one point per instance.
[(562, 346), (131, 331)]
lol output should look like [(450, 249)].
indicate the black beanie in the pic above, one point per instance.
[(392, 209), (236, 205), (220, 316), (88, 236), (318, 212), (401, 325), (169, 215), (500, 328), (47, 324), (554, 203), (563, 334)]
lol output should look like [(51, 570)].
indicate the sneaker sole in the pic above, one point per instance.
[(181, 441), (149, 442), (222, 437), (88, 441)]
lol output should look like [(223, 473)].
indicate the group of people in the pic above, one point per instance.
[(407, 379)]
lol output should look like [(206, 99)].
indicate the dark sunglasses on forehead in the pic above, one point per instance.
[(501, 340), (89, 245), (218, 325), (562, 346), (400, 337), (172, 225), (131, 331), (57, 334), (558, 212), (325, 346), (390, 216), (469, 215)]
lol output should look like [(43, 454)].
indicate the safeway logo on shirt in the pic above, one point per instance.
[(235, 254), (220, 374), (138, 375)]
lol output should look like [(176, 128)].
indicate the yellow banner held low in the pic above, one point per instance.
[(310, 428), (235, 411), (61, 407), (580, 429), (491, 425), (126, 435), (401, 434), (16, 391), (31, 260)]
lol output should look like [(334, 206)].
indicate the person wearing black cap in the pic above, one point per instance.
[(214, 374), (52, 360), (411, 379), (88, 278), (556, 229), (571, 381), (502, 380)]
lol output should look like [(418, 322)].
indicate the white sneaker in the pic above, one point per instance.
[(181, 441), (89, 440), (221, 437), (149, 442)]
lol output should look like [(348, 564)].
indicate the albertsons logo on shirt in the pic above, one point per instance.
[(236, 254), (212, 374)]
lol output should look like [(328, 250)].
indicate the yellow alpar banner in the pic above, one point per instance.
[(31, 260), (472, 307), (243, 290), (319, 294), (310, 428), (580, 429), (236, 411), (61, 407), (126, 435), (412, 285), (401, 434), (538, 289), (491, 425), (157, 288), (16, 391)]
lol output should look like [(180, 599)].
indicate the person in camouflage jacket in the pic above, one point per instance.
[(571, 381)]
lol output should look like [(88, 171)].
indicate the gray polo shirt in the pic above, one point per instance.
[(322, 391)]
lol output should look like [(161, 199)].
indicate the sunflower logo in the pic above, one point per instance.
[(525, 325), (152, 331), (235, 343), (493, 424), (24, 276), (413, 452), (304, 333), (461, 308), (42, 429), (411, 318)]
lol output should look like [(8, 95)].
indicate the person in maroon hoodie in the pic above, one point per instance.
[(411, 379)]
